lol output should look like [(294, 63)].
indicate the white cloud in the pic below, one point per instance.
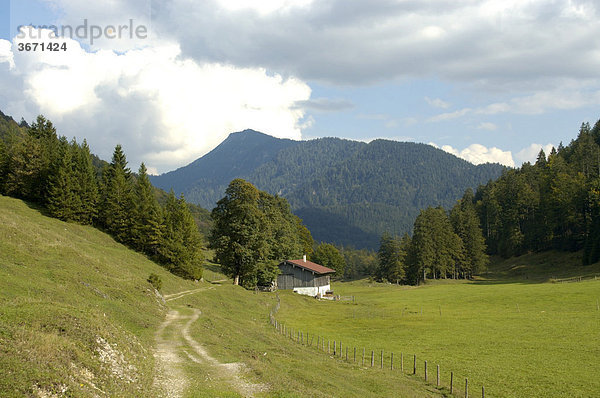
[(478, 154), (437, 103), (164, 109), (530, 153), (567, 96), (6, 55), (264, 6), (450, 115), (487, 126)]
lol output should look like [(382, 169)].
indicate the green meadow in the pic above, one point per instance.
[(78, 318), (513, 331)]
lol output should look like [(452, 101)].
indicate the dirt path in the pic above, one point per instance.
[(176, 347), (175, 296)]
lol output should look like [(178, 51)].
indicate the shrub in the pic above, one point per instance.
[(155, 281)]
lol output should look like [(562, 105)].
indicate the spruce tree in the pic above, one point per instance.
[(24, 168), (180, 247), (116, 202), (147, 216), (466, 225), (86, 186), (3, 165), (61, 197), (391, 258), (43, 131)]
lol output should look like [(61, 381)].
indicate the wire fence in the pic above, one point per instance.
[(381, 359)]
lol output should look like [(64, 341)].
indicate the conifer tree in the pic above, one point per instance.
[(61, 197), (86, 185), (116, 202), (3, 165), (435, 250), (466, 225), (24, 167), (392, 258), (43, 131), (147, 216), (180, 248)]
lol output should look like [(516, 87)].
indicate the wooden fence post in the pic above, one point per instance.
[(328, 347), (466, 388), (482, 392), (392, 361), (415, 365), (402, 362), (438, 375), (363, 357), (372, 358), (334, 347), (381, 359), (425, 370), (451, 382), (346, 353), (354, 354), (341, 350)]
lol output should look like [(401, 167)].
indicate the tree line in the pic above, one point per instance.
[(442, 246), (551, 204), (39, 166)]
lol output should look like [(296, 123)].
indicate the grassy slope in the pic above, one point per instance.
[(512, 333), (64, 286)]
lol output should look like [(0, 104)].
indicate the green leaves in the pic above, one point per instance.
[(436, 250), (327, 255), (253, 231), (391, 258)]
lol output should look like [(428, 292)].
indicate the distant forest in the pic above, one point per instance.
[(551, 204), (346, 192)]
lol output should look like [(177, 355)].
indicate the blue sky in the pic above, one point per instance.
[(487, 80)]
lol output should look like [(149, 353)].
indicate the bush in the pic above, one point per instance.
[(155, 281)]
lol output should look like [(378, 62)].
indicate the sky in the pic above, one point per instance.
[(486, 80)]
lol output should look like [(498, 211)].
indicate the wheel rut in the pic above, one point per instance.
[(176, 347)]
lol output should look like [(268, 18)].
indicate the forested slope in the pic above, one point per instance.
[(346, 192)]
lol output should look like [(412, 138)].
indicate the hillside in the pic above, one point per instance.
[(346, 192), (78, 318), (76, 314)]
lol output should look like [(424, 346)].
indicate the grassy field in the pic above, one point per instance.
[(79, 319), (77, 316), (511, 331)]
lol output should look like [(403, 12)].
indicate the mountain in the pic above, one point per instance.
[(347, 192)]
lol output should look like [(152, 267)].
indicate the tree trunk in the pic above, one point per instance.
[(236, 280)]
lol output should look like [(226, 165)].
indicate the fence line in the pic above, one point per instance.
[(281, 328), (575, 279)]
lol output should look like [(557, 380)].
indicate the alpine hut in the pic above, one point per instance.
[(304, 277)]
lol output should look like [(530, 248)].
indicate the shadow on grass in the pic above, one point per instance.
[(536, 268)]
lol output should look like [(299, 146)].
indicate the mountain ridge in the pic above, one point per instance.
[(363, 189)]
